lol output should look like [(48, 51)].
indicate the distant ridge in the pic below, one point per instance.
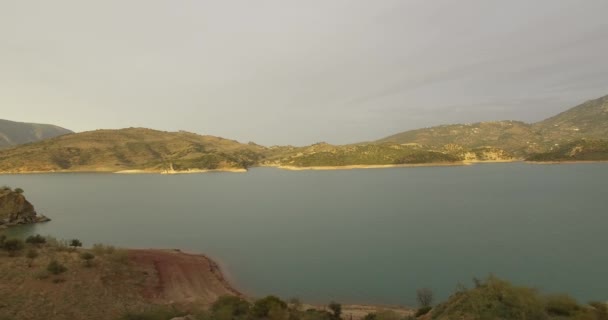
[(588, 120), (130, 150), (577, 134), (15, 133)]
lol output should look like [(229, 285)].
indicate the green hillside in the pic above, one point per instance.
[(581, 150), (16, 133), (130, 149), (588, 120)]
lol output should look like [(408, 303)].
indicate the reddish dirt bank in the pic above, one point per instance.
[(177, 277)]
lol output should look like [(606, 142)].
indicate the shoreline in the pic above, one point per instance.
[(405, 165), (217, 270), (296, 168)]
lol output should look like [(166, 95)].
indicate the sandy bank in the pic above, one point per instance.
[(379, 166)]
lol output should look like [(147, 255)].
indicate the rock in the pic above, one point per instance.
[(15, 209)]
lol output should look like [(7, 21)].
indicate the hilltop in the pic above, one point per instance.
[(588, 120), (15, 133), (132, 149)]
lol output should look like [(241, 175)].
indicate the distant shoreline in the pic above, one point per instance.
[(296, 168), (384, 166)]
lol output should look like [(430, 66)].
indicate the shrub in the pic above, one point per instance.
[(55, 267), (336, 309), (261, 307), (422, 311), (87, 257), (100, 249), (230, 307), (19, 190), (424, 297), (31, 255), (13, 246), (74, 243), (561, 305), (36, 239)]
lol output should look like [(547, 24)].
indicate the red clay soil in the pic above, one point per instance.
[(177, 277)]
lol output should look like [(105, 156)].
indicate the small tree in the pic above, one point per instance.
[(424, 297), (13, 246), (36, 240), (55, 267), (74, 243), (31, 255), (336, 309), (19, 190), (87, 257)]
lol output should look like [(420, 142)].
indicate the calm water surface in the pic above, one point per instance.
[(369, 236)]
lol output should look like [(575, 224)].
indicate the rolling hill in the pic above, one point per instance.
[(588, 120), (130, 149), (15, 133)]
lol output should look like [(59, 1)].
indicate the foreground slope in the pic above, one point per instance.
[(15, 133), (130, 149), (115, 282), (588, 120)]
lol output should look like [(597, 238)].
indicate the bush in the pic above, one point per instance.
[(336, 309), (424, 297), (230, 307), (55, 267), (87, 257), (19, 190), (37, 239), (31, 255), (158, 313), (13, 246), (74, 243), (100, 249), (561, 305), (422, 311), (262, 307)]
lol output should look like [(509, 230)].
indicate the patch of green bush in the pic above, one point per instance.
[(56, 268)]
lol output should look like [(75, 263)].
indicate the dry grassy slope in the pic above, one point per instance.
[(588, 120), (512, 136), (119, 281), (129, 149), (15, 133)]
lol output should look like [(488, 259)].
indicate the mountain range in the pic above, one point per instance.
[(15, 133), (576, 134)]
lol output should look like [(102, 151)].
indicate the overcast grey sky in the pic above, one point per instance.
[(298, 72)]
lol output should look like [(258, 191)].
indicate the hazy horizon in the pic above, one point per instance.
[(288, 72)]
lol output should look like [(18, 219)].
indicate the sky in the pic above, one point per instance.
[(298, 72)]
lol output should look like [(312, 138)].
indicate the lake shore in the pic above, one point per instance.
[(384, 166), (199, 276)]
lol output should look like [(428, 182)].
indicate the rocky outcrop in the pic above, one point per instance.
[(15, 209)]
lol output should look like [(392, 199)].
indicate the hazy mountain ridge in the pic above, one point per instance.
[(588, 120), (15, 133), (147, 150), (130, 149)]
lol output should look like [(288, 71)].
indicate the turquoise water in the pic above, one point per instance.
[(370, 236)]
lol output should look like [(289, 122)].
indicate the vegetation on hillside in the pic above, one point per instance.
[(500, 300), (130, 149), (588, 120), (581, 150), (370, 154), (43, 276)]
